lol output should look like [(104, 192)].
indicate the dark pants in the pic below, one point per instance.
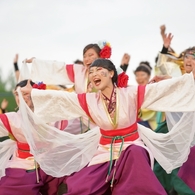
[(22, 182), (134, 176), (187, 170)]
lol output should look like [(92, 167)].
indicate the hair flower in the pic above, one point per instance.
[(122, 80), (39, 85), (106, 50)]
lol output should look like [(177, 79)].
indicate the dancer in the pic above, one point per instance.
[(114, 111), (187, 171), (171, 182), (19, 171)]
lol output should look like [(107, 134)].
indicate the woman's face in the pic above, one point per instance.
[(189, 62), (89, 56), (100, 77), (26, 93), (142, 77)]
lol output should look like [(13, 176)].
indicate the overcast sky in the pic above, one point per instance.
[(59, 29)]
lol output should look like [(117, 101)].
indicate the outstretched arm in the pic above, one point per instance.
[(174, 95), (52, 72), (51, 105)]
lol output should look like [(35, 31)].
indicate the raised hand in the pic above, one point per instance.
[(16, 58), (4, 104), (125, 59), (159, 78), (167, 40), (162, 30), (29, 60)]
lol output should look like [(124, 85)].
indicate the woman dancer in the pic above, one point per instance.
[(121, 160)]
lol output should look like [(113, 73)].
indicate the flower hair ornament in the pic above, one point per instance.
[(106, 50), (39, 85), (122, 80)]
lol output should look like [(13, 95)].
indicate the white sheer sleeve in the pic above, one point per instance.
[(51, 105), (166, 67), (171, 149), (57, 152), (50, 72), (171, 95), (7, 148)]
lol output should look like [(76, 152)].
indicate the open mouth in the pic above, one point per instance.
[(97, 82), (188, 65)]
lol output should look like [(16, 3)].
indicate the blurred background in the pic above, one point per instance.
[(60, 29)]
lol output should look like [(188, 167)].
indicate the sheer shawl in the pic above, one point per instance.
[(171, 150), (7, 148), (58, 153)]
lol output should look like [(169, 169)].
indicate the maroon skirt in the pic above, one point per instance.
[(133, 176)]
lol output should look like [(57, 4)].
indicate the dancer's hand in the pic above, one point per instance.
[(16, 58), (159, 78), (167, 40), (29, 60), (125, 59), (4, 104)]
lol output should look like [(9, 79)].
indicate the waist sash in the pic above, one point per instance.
[(129, 134)]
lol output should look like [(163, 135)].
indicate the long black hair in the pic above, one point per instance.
[(107, 64)]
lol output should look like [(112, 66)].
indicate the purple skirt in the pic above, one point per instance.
[(133, 176), (21, 182), (187, 170)]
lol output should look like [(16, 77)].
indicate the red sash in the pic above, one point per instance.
[(23, 148), (128, 133)]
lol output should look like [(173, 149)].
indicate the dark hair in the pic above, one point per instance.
[(107, 64), (144, 66), (145, 63), (23, 83), (92, 46), (78, 61), (188, 50)]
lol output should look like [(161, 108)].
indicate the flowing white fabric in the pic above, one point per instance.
[(55, 150), (7, 148), (173, 118), (171, 150), (58, 153), (24, 72)]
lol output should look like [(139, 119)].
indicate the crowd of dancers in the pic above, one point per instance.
[(83, 129)]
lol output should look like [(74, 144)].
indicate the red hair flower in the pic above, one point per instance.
[(106, 51), (122, 80), (40, 85)]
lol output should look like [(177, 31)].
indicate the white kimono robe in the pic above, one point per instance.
[(9, 149), (70, 153)]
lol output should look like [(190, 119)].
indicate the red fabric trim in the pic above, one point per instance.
[(5, 121), (70, 72), (119, 132), (83, 103), (23, 150), (140, 97), (63, 124)]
